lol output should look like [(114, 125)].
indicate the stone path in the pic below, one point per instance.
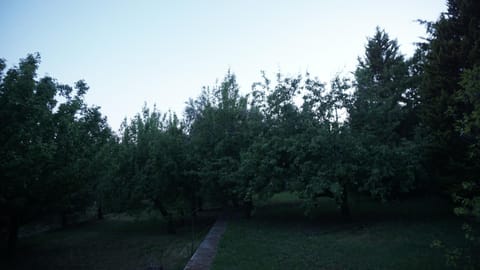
[(202, 258)]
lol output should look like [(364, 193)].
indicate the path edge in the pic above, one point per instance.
[(203, 257)]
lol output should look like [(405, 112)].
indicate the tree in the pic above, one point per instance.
[(96, 164), (26, 142), (452, 49), (68, 174), (381, 80), (218, 134), (327, 155), (307, 149), (46, 149), (266, 165), (379, 115), (467, 195), (449, 111), (152, 166)]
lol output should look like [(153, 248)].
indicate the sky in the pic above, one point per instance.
[(163, 52)]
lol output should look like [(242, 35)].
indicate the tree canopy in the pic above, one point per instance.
[(398, 125)]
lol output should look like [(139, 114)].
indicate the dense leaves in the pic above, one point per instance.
[(379, 118), (152, 164), (220, 131), (47, 148), (452, 50), (399, 125)]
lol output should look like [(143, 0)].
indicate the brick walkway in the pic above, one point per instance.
[(202, 258)]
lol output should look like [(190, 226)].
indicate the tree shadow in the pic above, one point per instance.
[(365, 212)]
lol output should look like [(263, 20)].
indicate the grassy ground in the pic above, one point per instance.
[(115, 243), (396, 235)]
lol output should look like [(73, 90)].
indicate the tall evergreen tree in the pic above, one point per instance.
[(379, 116), (381, 83), (452, 49)]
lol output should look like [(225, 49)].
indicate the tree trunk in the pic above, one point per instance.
[(193, 207), (235, 203), (99, 212), (167, 215), (64, 219), (182, 216), (344, 206), (248, 206), (200, 204), (12, 236)]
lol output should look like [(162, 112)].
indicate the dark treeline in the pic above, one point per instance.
[(401, 125)]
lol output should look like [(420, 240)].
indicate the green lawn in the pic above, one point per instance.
[(111, 244), (396, 235)]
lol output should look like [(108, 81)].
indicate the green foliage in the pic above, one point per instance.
[(151, 163), (450, 109), (47, 148), (220, 130), (468, 207), (154, 168), (469, 124), (270, 158), (377, 134), (380, 120), (327, 153), (80, 132), (452, 50), (26, 141)]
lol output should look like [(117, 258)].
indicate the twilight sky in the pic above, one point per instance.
[(163, 52)]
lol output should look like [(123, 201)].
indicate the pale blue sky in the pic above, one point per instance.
[(163, 52)]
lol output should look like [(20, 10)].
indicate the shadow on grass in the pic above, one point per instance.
[(113, 243), (393, 235), (363, 210)]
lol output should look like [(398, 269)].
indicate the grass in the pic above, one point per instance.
[(396, 235), (113, 243)]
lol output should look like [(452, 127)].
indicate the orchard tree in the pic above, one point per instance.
[(152, 166), (46, 149), (68, 174), (218, 134), (97, 162), (307, 149), (267, 164), (328, 155), (26, 142)]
